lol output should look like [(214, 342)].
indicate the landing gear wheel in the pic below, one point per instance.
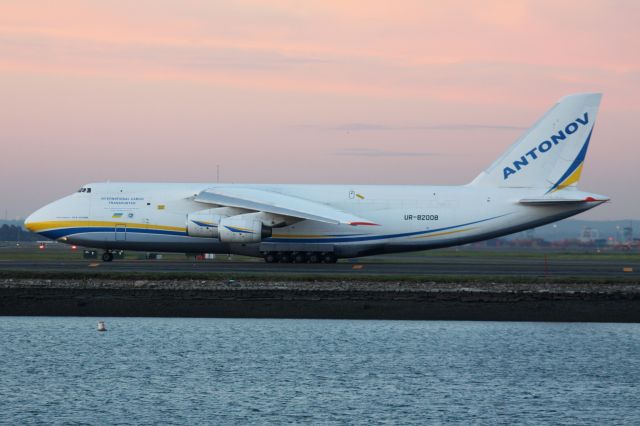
[(107, 256), (270, 258), (314, 258), (329, 258), (300, 258), (285, 257)]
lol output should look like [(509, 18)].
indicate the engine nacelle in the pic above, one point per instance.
[(240, 229), (203, 223)]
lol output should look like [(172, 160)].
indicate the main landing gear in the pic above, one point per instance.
[(299, 257), (107, 256)]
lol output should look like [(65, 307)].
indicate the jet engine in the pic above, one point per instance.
[(242, 229), (203, 223), (234, 228)]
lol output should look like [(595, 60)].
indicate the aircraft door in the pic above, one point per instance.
[(121, 232)]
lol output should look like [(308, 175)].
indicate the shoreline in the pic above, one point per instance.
[(254, 298)]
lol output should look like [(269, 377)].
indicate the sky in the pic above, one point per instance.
[(305, 92)]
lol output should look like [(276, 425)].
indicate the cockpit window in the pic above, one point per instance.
[(84, 190)]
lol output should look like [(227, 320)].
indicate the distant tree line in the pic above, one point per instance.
[(16, 233)]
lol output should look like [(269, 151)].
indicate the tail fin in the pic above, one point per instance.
[(550, 154)]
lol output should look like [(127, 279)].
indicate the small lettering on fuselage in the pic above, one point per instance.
[(122, 200), (409, 216)]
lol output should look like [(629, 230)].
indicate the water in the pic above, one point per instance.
[(238, 371)]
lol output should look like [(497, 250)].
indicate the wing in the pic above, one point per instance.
[(276, 203)]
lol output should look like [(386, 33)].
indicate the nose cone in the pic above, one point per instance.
[(28, 223), (36, 220), (51, 220), (47, 216)]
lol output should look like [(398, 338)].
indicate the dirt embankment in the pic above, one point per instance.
[(427, 300)]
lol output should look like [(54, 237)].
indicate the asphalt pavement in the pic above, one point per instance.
[(442, 266)]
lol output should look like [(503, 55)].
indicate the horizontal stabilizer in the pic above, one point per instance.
[(276, 203), (562, 201)]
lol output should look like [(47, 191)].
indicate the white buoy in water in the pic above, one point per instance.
[(101, 326)]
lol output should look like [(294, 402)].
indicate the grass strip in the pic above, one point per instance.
[(303, 277)]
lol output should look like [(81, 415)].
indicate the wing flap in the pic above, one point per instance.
[(276, 203)]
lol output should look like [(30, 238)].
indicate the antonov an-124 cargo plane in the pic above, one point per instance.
[(533, 183)]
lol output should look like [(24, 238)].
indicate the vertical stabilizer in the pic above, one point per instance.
[(550, 154)]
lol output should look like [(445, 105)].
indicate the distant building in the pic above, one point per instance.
[(624, 235), (588, 235)]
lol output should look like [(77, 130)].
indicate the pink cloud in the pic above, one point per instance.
[(239, 77)]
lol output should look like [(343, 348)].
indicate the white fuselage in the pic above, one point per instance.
[(153, 217)]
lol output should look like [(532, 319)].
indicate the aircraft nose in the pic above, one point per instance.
[(41, 218), (31, 220), (56, 214)]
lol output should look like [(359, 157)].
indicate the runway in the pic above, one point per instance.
[(440, 266)]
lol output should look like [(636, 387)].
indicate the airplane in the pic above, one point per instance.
[(533, 183)]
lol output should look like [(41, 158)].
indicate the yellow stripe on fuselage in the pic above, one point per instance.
[(61, 224), (437, 234), (304, 236)]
